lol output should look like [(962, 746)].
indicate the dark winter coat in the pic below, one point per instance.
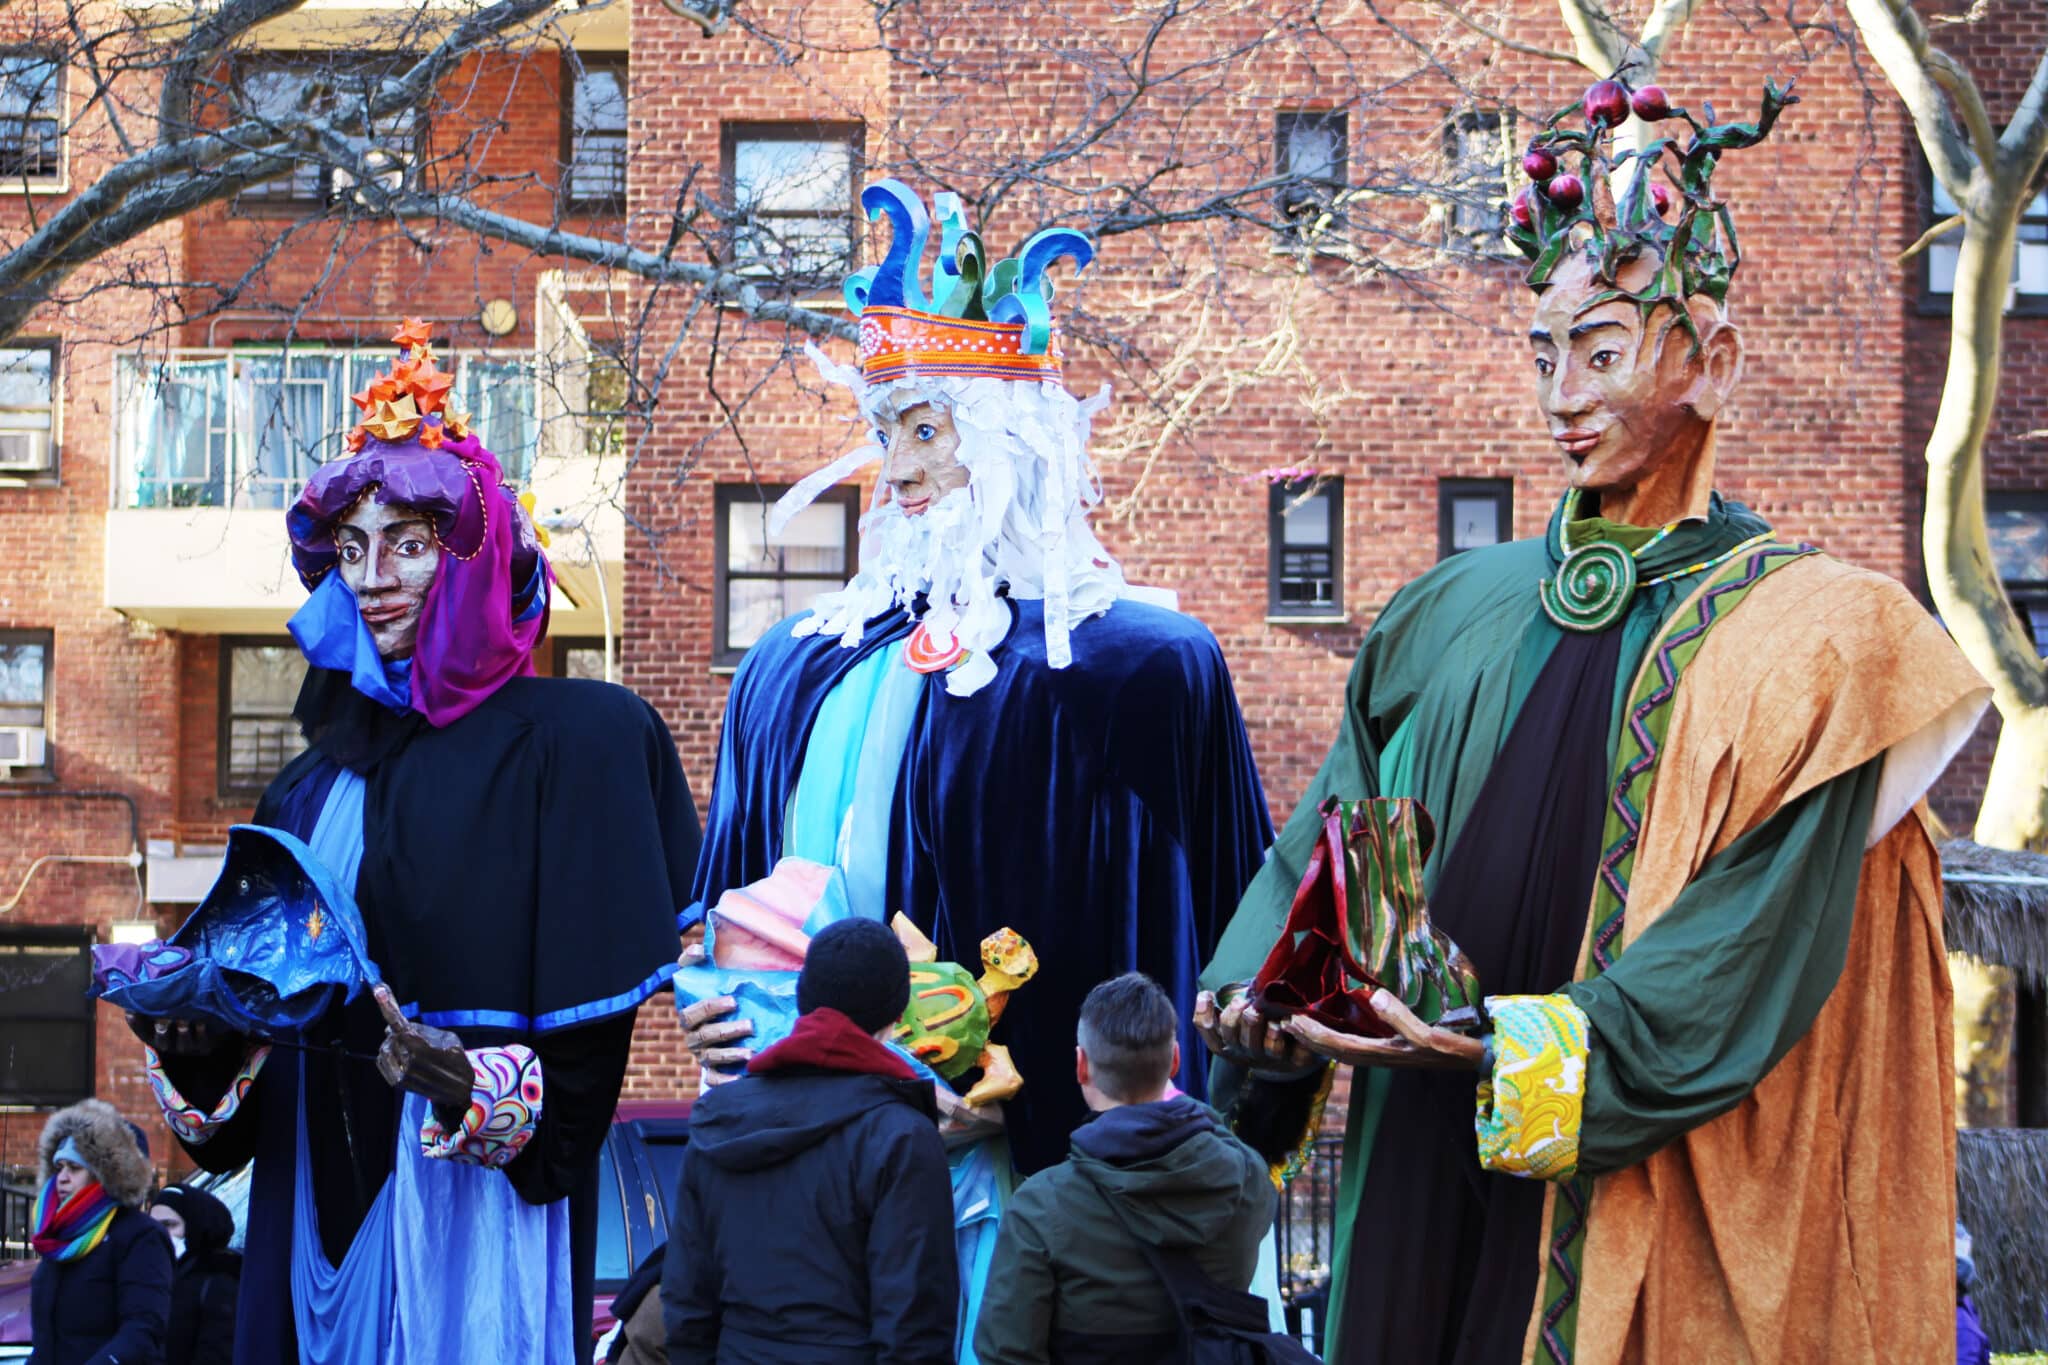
[(814, 1220), (109, 1306), (205, 1282), (1069, 1285)]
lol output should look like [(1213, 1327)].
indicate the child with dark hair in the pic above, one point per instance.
[(813, 1223), (1070, 1282)]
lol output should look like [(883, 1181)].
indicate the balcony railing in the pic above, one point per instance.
[(247, 427)]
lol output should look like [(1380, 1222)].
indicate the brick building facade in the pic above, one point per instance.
[(1412, 397)]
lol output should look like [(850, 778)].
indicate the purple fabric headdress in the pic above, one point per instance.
[(472, 638)]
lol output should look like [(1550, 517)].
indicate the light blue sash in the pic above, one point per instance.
[(450, 1264)]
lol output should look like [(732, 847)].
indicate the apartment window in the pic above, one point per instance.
[(2018, 523), (1313, 147), (276, 89), (259, 684), (28, 410), (1473, 513), (580, 659), (46, 1016), (1478, 148), (31, 117), (761, 578), (2028, 291), (793, 188), (1305, 532), (25, 662), (594, 133)]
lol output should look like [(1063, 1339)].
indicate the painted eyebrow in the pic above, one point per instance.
[(1587, 328), (1538, 334)]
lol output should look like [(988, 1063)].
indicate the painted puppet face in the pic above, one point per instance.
[(1627, 402), (922, 460), (388, 559)]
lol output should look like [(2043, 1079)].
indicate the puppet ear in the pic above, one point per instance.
[(1720, 369)]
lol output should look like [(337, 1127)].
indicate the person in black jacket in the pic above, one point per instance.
[(813, 1223), (102, 1291), (205, 1279), (1069, 1284)]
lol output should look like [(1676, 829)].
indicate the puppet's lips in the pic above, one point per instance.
[(1578, 442), (384, 616), (913, 507)]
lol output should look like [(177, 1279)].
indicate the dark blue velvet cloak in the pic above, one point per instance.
[(1109, 812)]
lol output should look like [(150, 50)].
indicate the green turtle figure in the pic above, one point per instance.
[(947, 1023)]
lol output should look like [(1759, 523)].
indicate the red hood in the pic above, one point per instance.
[(830, 1041)]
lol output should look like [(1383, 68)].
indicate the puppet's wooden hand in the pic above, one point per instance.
[(709, 1030), (1235, 1032), (1415, 1046), (426, 1060)]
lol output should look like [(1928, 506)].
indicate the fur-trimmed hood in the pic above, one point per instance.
[(108, 1145)]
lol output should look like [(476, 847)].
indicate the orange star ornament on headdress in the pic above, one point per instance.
[(414, 335)]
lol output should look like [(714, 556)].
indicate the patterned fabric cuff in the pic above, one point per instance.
[(504, 1110), (189, 1123), (1532, 1099)]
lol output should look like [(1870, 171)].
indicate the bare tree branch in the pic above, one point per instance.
[(1931, 236), (1457, 12), (1900, 43)]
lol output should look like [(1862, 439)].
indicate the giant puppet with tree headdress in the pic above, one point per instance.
[(410, 997), (987, 727), (1659, 1066)]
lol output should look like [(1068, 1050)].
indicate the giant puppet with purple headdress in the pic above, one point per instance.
[(987, 728), (504, 856)]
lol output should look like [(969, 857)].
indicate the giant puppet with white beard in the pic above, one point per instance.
[(987, 727)]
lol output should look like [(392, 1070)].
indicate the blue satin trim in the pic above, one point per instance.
[(553, 1019), (332, 634)]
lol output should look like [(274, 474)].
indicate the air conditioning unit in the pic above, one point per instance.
[(21, 746), (23, 453)]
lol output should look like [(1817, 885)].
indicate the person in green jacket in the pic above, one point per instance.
[(1068, 1283)]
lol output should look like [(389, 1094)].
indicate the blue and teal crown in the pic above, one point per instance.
[(975, 321)]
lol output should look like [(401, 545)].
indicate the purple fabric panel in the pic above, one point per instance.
[(470, 640)]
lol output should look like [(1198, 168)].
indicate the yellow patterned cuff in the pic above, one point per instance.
[(1531, 1103)]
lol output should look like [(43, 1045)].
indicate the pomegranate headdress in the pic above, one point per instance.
[(1675, 218)]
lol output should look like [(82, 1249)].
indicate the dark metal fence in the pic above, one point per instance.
[(15, 1206), (1307, 1236)]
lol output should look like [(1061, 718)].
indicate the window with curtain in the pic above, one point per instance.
[(31, 116), (174, 430), (1312, 145), (594, 133), (298, 410), (25, 675), (793, 190), (762, 578), (259, 682), (28, 409), (498, 394), (1478, 150)]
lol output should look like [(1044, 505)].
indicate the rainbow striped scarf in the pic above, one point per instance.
[(67, 1233)]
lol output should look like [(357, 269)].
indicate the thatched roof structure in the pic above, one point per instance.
[(1995, 906), (2000, 1176)]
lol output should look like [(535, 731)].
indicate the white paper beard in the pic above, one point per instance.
[(1021, 524)]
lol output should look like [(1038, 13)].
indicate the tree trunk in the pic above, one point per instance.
[(1960, 573)]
